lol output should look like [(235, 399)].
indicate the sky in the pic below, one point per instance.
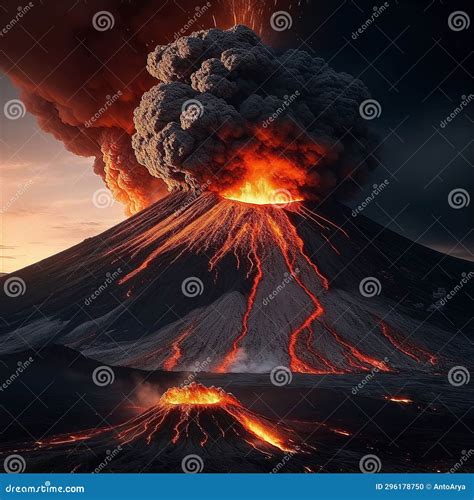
[(46, 195), (416, 67)]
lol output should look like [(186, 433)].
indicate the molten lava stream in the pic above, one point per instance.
[(232, 355), (297, 364), (414, 352), (170, 362), (357, 355)]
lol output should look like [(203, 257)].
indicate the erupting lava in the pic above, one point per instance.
[(212, 412)]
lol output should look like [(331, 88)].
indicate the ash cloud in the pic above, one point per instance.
[(317, 145)]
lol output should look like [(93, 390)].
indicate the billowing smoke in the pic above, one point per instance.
[(229, 109)]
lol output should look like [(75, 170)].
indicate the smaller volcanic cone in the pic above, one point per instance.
[(193, 413)]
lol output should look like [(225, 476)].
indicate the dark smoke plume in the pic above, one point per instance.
[(228, 106)]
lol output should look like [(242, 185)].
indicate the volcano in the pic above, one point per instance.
[(200, 280)]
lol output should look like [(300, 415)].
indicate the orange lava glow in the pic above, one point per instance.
[(262, 183), (175, 356), (396, 399), (416, 353), (195, 405)]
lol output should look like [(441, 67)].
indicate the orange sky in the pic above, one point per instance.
[(46, 195)]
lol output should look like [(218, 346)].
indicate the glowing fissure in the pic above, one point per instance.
[(414, 352), (178, 409), (175, 355)]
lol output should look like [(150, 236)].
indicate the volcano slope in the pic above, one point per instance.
[(242, 288)]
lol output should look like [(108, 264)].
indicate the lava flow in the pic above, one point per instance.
[(254, 227), (190, 411)]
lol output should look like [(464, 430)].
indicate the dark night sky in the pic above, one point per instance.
[(418, 69)]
